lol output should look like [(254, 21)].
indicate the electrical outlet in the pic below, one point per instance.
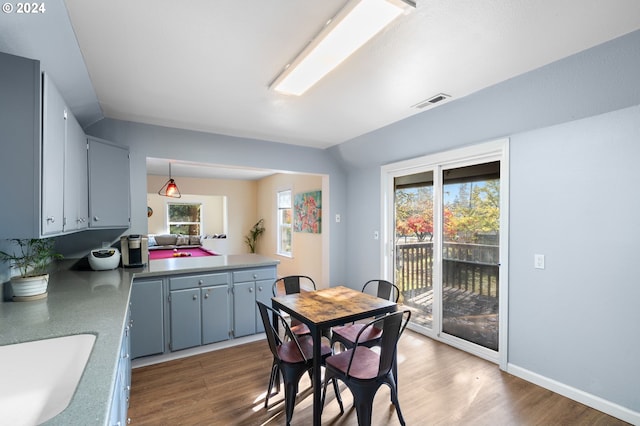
[(538, 261), (376, 235), (337, 217)]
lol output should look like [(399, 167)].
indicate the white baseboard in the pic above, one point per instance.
[(582, 397)]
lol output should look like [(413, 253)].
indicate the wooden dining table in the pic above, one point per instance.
[(322, 309)]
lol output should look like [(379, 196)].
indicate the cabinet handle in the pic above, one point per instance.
[(200, 282), (255, 276), (260, 288), (195, 297), (250, 289), (51, 219), (96, 218), (206, 295)]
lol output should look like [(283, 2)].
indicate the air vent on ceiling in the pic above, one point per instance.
[(440, 97)]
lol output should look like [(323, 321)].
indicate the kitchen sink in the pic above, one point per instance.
[(40, 377)]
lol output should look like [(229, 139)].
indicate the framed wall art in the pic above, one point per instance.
[(307, 212)]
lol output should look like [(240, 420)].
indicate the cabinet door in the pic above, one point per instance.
[(76, 178), (54, 133), (20, 141), (109, 200), (215, 314), (244, 309), (186, 329), (147, 313), (120, 400), (263, 294)]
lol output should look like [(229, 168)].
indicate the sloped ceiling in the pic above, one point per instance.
[(206, 65)]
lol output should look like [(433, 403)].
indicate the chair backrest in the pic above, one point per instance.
[(393, 326), (270, 329), (293, 284), (386, 290)]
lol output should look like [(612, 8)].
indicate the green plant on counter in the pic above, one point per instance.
[(32, 256), (254, 234)]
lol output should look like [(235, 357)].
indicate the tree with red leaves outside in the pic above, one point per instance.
[(421, 226)]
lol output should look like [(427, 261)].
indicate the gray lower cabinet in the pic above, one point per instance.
[(215, 314), (186, 319), (244, 313), (175, 312), (147, 316), (199, 309), (248, 286), (122, 387), (263, 294)]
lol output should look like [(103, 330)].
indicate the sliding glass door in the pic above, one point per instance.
[(470, 253), (444, 216)]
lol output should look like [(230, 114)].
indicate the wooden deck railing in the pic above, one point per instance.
[(470, 267)]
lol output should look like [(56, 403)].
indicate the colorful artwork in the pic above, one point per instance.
[(307, 212)]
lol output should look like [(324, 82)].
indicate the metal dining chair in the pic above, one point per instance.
[(363, 370), (346, 334), (292, 357), (294, 284)]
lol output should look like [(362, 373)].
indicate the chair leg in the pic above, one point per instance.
[(394, 398), (363, 401), (336, 389), (291, 377), (274, 378), (290, 391)]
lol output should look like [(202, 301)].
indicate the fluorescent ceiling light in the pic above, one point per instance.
[(356, 23)]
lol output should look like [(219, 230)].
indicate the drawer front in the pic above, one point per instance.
[(254, 275), (204, 280)]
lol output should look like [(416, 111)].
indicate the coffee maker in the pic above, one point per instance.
[(135, 250)]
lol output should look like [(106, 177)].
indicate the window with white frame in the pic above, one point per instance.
[(184, 218), (285, 215)]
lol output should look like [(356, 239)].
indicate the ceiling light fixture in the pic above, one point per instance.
[(355, 24), (170, 189)]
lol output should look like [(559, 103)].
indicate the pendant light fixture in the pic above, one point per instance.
[(170, 189)]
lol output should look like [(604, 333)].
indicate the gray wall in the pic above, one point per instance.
[(163, 142), (574, 128)]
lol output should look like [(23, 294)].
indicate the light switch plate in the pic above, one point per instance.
[(538, 261)]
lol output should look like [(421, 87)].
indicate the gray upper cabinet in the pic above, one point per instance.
[(44, 155), (109, 200), (54, 133), (20, 129), (76, 178)]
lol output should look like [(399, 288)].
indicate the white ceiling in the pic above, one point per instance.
[(206, 64)]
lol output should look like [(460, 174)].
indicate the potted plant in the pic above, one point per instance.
[(254, 234), (31, 258)]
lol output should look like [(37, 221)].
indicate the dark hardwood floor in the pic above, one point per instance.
[(438, 385)]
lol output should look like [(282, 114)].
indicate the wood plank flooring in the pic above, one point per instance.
[(438, 385)]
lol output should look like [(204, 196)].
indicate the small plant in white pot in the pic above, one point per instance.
[(31, 257)]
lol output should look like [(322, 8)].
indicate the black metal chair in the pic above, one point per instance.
[(291, 358), (294, 284), (346, 334), (363, 370)]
